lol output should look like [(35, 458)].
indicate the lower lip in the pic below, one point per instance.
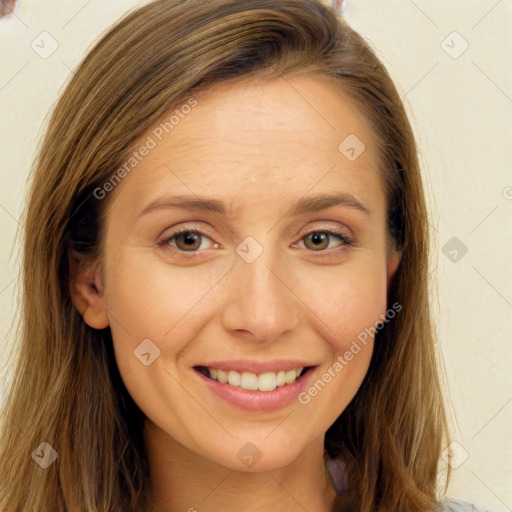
[(258, 400)]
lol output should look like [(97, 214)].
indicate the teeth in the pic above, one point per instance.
[(290, 376), (267, 381), (252, 382), (221, 376), (249, 381), (234, 378)]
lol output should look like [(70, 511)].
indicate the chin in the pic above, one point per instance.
[(256, 456)]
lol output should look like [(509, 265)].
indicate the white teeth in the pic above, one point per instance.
[(221, 376), (267, 381), (290, 376), (249, 381), (234, 378), (252, 382)]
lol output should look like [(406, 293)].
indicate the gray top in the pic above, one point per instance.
[(455, 505), (339, 479)]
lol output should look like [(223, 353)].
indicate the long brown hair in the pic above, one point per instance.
[(66, 388)]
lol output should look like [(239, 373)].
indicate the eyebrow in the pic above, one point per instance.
[(304, 205)]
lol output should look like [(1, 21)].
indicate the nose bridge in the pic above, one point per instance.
[(258, 299)]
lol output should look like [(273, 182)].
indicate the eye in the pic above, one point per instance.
[(318, 240), (185, 240)]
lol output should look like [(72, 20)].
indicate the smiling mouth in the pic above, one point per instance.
[(249, 381)]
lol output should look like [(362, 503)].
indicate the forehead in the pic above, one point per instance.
[(251, 138)]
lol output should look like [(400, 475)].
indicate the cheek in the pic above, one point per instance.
[(346, 302), (149, 299), (347, 315)]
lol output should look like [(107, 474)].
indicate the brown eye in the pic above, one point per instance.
[(188, 241), (319, 240), (185, 241)]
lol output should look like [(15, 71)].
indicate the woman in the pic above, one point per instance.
[(187, 342)]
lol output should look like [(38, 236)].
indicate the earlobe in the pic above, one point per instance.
[(84, 289), (393, 262)]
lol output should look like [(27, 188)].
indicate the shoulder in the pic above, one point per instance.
[(455, 505)]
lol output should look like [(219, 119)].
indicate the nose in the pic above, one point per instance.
[(261, 304)]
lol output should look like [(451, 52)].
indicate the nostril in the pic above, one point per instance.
[(7, 7)]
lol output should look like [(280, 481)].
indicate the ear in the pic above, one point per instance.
[(393, 262), (85, 289)]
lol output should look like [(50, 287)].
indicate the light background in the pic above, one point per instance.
[(460, 107)]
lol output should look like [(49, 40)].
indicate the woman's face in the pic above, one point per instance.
[(256, 283)]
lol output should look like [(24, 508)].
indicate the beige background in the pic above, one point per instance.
[(460, 103)]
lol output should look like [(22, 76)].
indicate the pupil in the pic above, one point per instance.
[(318, 238), (189, 238)]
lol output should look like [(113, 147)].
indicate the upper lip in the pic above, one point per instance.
[(257, 367)]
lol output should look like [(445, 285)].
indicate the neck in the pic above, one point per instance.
[(182, 480)]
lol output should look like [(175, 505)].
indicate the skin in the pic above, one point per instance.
[(259, 147)]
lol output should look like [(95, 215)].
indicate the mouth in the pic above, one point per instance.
[(249, 381)]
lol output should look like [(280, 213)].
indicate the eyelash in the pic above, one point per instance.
[(190, 254)]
